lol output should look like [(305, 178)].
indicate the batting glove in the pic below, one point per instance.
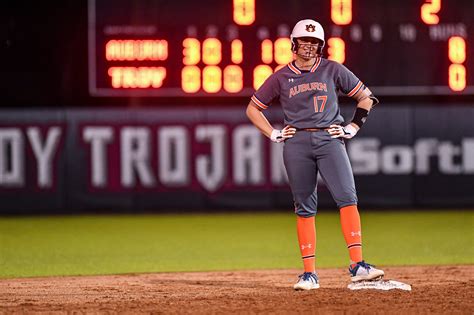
[(346, 132), (282, 135)]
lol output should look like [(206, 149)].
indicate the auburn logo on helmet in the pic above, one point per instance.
[(310, 28)]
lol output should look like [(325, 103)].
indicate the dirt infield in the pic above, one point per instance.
[(441, 289)]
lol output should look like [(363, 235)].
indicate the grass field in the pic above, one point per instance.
[(80, 245)]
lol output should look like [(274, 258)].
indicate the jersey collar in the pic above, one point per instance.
[(316, 64), (295, 69)]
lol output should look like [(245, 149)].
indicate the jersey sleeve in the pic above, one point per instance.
[(269, 91), (347, 82)]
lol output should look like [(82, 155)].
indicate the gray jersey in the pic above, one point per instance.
[(308, 98)]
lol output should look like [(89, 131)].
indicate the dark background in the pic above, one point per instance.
[(44, 56), (400, 125), (44, 82)]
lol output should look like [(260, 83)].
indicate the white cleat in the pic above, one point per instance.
[(363, 271), (307, 281)]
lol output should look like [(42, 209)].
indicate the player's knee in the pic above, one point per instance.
[(304, 212), (344, 197), (305, 206), (346, 202)]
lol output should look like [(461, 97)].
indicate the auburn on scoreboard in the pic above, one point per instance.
[(229, 47)]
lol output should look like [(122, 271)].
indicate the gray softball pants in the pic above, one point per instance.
[(310, 152)]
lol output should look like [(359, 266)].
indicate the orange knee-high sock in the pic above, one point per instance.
[(350, 223), (307, 241)]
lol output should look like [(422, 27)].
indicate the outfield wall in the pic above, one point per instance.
[(213, 158)]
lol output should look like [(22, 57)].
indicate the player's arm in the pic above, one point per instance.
[(365, 101), (350, 85), (254, 113), (263, 97)]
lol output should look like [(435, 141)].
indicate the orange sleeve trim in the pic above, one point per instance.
[(258, 103), (355, 89)]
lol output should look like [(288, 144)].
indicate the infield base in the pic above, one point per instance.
[(379, 284)]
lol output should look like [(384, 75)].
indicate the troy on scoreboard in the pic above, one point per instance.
[(181, 48)]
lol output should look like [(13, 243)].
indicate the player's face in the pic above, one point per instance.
[(307, 47)]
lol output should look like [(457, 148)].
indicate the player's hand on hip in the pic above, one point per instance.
[(346, 132), (282, 135)]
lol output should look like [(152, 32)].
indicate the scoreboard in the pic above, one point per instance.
[(162, 48)]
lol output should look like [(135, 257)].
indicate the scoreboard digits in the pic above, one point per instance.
[(214, 64), (457, 71), (336, 49), (430, 10), (236, 51), (244, 12), (341, 12)]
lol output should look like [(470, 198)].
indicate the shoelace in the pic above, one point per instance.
[(362, 264), (308, 275), (365, 265)]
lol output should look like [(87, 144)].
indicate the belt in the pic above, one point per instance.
[(311, 129)]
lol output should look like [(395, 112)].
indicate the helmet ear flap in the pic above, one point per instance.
[(294, 45), (319, 51)]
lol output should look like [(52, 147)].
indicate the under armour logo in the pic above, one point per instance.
[(291, 80), (305, 246), (356, 233), (310, 28)]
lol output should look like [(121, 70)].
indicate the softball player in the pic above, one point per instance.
[(313, 142)]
